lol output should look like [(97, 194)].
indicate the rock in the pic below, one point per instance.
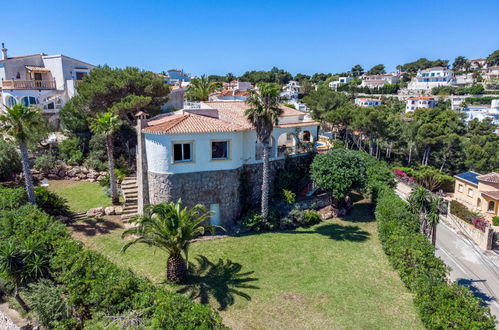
[(84, 169), (95, 212), (118, 210), (51, 176), (101, 177), (61, 173), (82, 176), (109, 210), (91, 180)]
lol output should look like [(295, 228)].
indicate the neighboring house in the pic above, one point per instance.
[(230, 95), (341, 81), (367, 102), (177, 77), (379, 80), (420, 102), (456, 102), (464, 79), (211, 156), (176, 99), (477, 63), (491, 72), (238, 85), (45, 81), (291, 90), (481, 112), (478, 192), (433, 77)]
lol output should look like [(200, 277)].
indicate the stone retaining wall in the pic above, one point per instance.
[(77, 173), (484, 239)]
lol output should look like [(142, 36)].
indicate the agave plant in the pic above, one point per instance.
[(170, 227)]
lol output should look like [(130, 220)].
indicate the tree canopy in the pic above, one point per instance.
[(420, 64), (357, 70), (493, 59), (275, 75), (377, 69)]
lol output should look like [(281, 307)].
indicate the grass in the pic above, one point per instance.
[(332, 275), (81, 195)]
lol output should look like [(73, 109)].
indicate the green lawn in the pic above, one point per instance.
[(333, 275), (81, 195)]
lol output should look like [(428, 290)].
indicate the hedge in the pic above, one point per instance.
[(440, 305), (94, 287)]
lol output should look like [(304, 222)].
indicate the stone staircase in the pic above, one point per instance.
[(130, 193)]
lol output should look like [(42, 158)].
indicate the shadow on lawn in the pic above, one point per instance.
[(362, 210), (92, 227), (222, 281), (337, 232)]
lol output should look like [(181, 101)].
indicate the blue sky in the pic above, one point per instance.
[(217, 37)]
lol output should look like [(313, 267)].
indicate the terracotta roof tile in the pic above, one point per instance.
[(492, 177), (492, 194), (190, 123), (421, 98)]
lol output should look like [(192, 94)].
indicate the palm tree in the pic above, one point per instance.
[(106, 124), (263, 115), (21, 123), (201, 88), (171, 228), (427, 207)]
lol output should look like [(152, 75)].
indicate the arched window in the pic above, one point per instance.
[(28, 100), (491, 207), (479, 204), (306, 136), (10, 101)]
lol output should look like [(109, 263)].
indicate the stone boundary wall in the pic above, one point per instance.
[(6, 323), (483, 239), (67, 172)]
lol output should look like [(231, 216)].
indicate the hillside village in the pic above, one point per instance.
[(248, 173)]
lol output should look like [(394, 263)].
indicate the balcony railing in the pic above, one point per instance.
[(28, 84)]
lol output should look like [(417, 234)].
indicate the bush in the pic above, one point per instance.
[(45, 163), (12, 198), (119, 177), (10, 161), (299, 218), (289, 196), (253, 221), (48, 301), (50, 202), (70, 151), (461, 211), (495, 221), (440, 305)]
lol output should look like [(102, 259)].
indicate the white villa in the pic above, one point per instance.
[(420, 102), (433, 77), (291, 90), (341, 81), (481, 112), (367, 102), (491, 72), (46, 81), (200, 154), (477, 63), (379, 80)]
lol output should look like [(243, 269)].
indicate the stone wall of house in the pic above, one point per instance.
[(215, 187), (210, 187)]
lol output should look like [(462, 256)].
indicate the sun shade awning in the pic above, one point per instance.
[(36, 68)]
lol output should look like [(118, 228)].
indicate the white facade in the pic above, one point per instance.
[(291, 90), (491, 73), (47, 81), (481, 112), (414, 103), (433, 77), (341, 81), (367, 102), (243, 147), (379, 80)]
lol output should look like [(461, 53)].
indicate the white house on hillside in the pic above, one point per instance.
[(341, 81), (200, 155), (414, 103), (481, 112), (379, 80), (367, 102), (426, 79), (46, 81)]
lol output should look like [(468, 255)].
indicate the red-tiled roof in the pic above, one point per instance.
[(21, 56), (421, 98), (492, 177), (190, 123), (369, 99), (492, 194)]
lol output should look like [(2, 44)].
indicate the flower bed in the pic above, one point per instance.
[(460, 211)]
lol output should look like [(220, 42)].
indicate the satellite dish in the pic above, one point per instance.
[(45, 183)]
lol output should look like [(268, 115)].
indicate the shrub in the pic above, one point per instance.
[(10, 161), (495, 221), (48, 302), (95, 163), (253, 221), (46, 162), (289, 196), (12, 198), (50, 202), (70, 151), (119, 177), (440, 305)]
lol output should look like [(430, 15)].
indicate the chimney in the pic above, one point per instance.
[(4, 52)]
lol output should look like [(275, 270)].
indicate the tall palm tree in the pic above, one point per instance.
[(263, 115), (171, 228), (107, 123), (201, 88), (21, 123), (427, 207)]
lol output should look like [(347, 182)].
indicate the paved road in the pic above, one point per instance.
[(470, 266)]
